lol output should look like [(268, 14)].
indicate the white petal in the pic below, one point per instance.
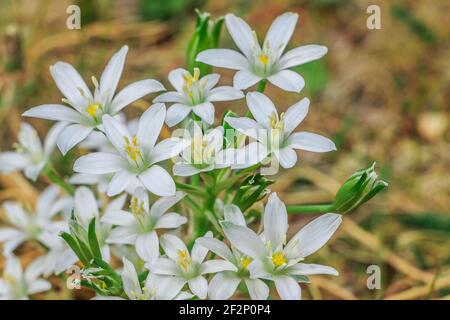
[(171, 96), (158, 181), (99, 163), (147, 246), (275, 221), (214, 266), (70, 83), (13, 161), (55, 112), (301, 55), (130, 279), (199, 252), (311, 269), (245, 125), (184, 170), (172, 245), (310, 142), (141, 194), (119, 218), (287, 80), (52, 136), (71, 136), (85, 205), (122, 235), (225, 93), (223, 285), (216, 246), (166, 287), (120, 182), (150, 125), (112, 73), (242, 35), (134, 92), (280, 32), (209, 81), (177, 113), (16, 214), (313, 236), (13, 267), (7, 234), (245, 240), (257, 289), (176, 78), (161, 205), (295, 115), (116, 132), (205, 111), (287, 157), (249, 155), (168, 148), (170, 220), (232, 213), (163, 266), (287, 288), (38, 285), (261, 107), (244, 79), (199, 286), (117, 203), (223, 58)]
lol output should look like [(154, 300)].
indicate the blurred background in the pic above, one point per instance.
[(381, 95)]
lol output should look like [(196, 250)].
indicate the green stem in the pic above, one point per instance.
[(310, 208), (56, 178), (261, 86)]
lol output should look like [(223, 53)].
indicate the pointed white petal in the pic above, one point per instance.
[(199, 286), (232, 213), (245, 125), (168, 148), (275, 221), (171, 96), (216, 246), (147, 246), (158, 181), (112, 73), (7, 234), (176, 78), (13, 161), (163, 204), (120, 182), (313, 236), (242, 35), (38, 285), (99, 163), (261, 107), (205, 111), (57, 112), (71, 136), (119, 218), (245, 240), (301, 55), (172, 246), (311, 269), (287, 157), (287, 288), (116, 132), (257, 289), (170, 220), (122, 235), (214, 266), (244, 79), (163, 266), (225, 93), (15, 214), (310, 142), (52, 136), (86, 207), (295, 115), (133, 92), (287, 80), (223, 285), (177, 113), (130, 279), (184, 170), (150, 125), (224, 58), (209, 81), (280, 32)]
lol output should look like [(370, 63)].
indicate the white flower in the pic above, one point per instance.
[(224, 284), (275, 132), (18, 285), (86, 110), (190, 268), (195, 94), (87, 208), (156, 287), (268, 62), (136, 156), (205, 154), (279, 262), (38, 225), (138, 227), (30, 156)]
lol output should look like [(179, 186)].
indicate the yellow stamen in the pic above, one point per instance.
[(132, 148), (137, 207), (275, 123), (92, 109), (189, 80), (245, 262), (278, 259), (264, 58), (183, 259)]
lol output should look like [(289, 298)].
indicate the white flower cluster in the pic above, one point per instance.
[(128, 165)]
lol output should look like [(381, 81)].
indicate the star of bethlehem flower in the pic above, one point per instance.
[(87, 208), (274, 259), (194, 94), (156, 287), (224, 284), (86, 110), (135, 157), (274, 132), (138, 227), (187, 267), (30, 155), (256, 63), (39, 225), (206, 151), (15, 284)]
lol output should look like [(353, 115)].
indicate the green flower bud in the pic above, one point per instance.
[(359, 188), (251, 190)]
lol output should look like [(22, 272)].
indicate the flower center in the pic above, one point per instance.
[(245, 262), (132, 149), (183, 259), (192, 87), (92, 110), (278, 259), (264, 59)]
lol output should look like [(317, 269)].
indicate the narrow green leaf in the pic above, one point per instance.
[(93, 241)]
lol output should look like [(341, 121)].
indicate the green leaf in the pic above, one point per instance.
[(93, 241), (73, 244)]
